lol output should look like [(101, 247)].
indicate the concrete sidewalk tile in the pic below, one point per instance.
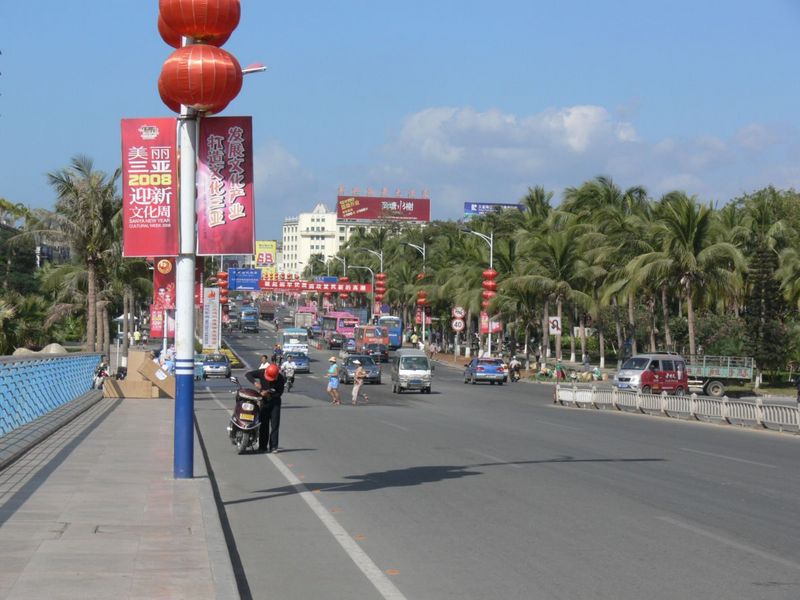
[(81, 585), (171, 587)]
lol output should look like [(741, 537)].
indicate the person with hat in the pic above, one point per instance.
[(270, 383), (358, 381), (333, 381)]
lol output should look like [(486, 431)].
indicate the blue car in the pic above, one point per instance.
[(492, 370), (301, 360)]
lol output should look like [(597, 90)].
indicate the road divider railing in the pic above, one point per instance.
[(775, 415), (32, 386)]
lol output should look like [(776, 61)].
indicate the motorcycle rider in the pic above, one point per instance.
[(270, 383), (277, 354), (514, 366), (288, 367)]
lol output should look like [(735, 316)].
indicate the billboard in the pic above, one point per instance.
[(149, 187), (164, 284), (211, 318), (472, 209), (244, 279), (370, 208), (157, 323), (265, 257), (225, 219)]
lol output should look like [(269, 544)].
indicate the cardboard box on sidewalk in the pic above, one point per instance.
[(158, 377), (127, 389), (136, 358)]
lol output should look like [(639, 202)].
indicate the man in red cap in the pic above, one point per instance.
[(270, 383)]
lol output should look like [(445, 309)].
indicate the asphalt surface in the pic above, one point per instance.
[(494, 492)]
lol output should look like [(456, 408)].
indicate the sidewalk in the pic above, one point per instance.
[(94, 512)]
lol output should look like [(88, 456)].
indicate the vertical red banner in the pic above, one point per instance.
[(164, 284), (157, 323), (198, 284), (225, 219), (149, 187)]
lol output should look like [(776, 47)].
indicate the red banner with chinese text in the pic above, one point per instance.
[(149, 187), (295, 285), (164, 284), (157, 323), (497, 325), (225, 219)]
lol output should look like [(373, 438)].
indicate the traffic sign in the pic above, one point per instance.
[(458, 312), (457, 325)]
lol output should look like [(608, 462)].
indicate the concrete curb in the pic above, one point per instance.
[(225, 586), (18, 442)]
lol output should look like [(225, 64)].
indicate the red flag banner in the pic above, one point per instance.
[(225, 219), (164, 284), (149, 187)]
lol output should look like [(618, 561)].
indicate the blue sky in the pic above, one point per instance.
[(473, 100)]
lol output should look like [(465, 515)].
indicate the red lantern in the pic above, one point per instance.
[(420, 276), (200, 19), (380, 276), (171, 104), (489, 274), (488, 295), (173, 38), (203, 77), (421, 294), (488, 284), (484, 304)]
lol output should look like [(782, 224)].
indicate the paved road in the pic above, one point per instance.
[(494, 492)]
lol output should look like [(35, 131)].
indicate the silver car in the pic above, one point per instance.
[(348, 368)]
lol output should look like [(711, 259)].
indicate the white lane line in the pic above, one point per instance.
[(494, 458), (385, 587), (361, 559), (741, 460), (732, 543), (395, 425)]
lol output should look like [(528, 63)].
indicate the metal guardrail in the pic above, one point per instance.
[(781, 417), (32, 386)]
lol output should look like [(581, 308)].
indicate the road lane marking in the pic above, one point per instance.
[(494, 458), (741, 460), (729, 542), (396, 426), (538, 420), (361, 559)]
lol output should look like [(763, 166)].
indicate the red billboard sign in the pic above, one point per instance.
[(149, 187), (369, 208), (157, 323), (225, 219)]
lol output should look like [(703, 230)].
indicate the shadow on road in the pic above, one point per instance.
[(417, 476)]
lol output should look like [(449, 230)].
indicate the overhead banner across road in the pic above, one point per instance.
[(314, 286)]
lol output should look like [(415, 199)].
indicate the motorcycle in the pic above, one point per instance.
[(100, 375), (245, 422), (515, 374), (289, 380)]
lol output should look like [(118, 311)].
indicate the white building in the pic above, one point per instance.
[(307, 234)]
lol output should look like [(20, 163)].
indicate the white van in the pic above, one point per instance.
[(411, 370)]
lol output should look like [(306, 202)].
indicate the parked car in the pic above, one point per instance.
[(377, 351), (348, 369), (492, 370), (335, 340), (301, 360), (216, 365)]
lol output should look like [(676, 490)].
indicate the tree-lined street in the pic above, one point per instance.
[(485, 491)]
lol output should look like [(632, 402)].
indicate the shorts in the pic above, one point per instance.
[(333, 383)]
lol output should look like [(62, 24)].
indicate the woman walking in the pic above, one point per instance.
[(358, 381), (333, 381)]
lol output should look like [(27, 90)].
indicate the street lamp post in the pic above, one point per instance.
[(372, 274), (421, 250), (378, 253), (489, 239)]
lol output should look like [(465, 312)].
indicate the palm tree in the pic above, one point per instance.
[(689, 248), (86, 203)]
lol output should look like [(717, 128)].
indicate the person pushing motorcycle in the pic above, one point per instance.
[(270, 383)]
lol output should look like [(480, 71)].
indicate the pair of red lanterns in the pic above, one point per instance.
[(489, 287), (201, 75), (380, 286), (344, 295)]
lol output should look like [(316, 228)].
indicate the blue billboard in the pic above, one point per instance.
[(472, 209), (244, 279)]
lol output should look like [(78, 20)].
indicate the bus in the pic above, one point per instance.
[(370, 334), (339, 322), (394, 328), (294, 339)]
